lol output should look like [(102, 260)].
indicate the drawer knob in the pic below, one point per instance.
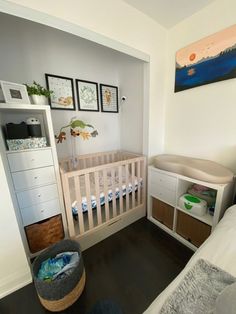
[(32, 159), (36, 177), (42, 210), (39, 195)]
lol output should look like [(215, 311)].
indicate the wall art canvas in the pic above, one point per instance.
[(87, 93), (206, 61), (109, 98), (63, 92)]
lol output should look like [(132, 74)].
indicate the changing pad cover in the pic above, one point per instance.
[(200, 169)]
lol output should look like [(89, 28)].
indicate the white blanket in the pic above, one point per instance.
[(219, 249)]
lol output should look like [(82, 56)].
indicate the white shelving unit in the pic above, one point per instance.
[(33, 174), (164, 191)]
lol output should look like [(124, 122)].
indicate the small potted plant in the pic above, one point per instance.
[(38, 93)]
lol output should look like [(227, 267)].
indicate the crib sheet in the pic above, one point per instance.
[(102, 194)]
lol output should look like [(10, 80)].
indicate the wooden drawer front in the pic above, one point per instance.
[(163, 212), (163, 194), (32, 178), (163, 180), (45, 233), (37, 196), (30, 160), (192, 229), (40, 212)]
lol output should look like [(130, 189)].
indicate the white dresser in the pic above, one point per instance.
[(164, 190), (34, 181)]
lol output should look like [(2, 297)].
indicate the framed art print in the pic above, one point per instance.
[(13, 93), (109, 98), (87, 93), (63, 97)]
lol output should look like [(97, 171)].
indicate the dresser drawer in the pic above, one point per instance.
[(37, 196), (40, 212), (30, 160), (163, 194), (163, 180), (32, 178)]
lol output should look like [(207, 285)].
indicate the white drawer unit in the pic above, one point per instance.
[(37, 196), (164, 191), (166, 181), (163, 194), (29, 160), (32, 178), (40, 212)]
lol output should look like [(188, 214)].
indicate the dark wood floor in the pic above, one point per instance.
[(131, 267)]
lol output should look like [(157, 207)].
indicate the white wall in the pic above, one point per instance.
[(200, 122), (131, 82), (47, 50), (122, 25), (14, 269)]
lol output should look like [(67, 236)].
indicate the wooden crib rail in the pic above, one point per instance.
[(111, 179)]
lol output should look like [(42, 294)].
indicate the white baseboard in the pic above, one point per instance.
[(14, 282)]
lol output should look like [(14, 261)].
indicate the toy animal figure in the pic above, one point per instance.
[(77, 128)]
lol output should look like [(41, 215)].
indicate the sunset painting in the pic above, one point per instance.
[(206, 61)]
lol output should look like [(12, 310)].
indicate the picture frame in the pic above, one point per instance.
[(87, 95), (109, 98), (13, 93), (63, 97)]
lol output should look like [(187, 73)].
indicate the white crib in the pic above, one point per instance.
[(103, 193)]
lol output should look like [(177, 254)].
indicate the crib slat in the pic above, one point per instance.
[(143, 174), (113, 192), (127, 185), (79, 204), (107, 214), (97, 193), (139, 182), (121, 190), (88, 197), (66, 190), (133, 183)]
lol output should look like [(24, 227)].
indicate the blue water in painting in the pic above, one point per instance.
[(212, 70)]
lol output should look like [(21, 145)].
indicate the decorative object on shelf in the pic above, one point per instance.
[(87, 93), (16, 131), (34, 127), (38, 93), (193, 204), (109, 98), (13, 93), (77, 128), (63, 92), (27, 143), (206, 61)]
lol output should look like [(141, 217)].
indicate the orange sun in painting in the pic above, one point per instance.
[(192, 56)]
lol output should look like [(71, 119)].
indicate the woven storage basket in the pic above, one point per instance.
[(57, 295), (45, 233)]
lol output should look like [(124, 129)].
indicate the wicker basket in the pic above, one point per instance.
[(58, 295), (43, 234)]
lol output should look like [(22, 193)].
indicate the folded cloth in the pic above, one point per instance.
[(58, 266), (198, 291)]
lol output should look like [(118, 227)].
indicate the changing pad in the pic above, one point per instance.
[(200, 169)]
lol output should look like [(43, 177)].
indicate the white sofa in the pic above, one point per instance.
[(219, 249)]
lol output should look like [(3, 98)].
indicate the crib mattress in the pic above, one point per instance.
[(125, 187)]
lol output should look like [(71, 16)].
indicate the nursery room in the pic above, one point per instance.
[(117, 156)]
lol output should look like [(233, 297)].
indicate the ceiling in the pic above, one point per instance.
[(169, 12)]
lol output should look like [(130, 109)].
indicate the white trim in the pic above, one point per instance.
[(14, 282), (52, 21)]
